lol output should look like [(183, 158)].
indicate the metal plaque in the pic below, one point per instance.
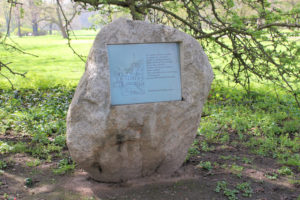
[(144, 73)]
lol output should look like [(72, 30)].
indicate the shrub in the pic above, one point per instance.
[(24, 31)]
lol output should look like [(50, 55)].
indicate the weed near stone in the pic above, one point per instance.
[(205, 165)]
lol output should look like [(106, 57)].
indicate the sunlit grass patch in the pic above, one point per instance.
[(53, 64)]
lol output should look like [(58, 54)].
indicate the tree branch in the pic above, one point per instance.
[(67, 31), (175, 16), (261, 27), (2, 65), (96, 3), (9, 20)]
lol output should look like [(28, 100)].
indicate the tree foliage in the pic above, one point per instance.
[(255, 40)]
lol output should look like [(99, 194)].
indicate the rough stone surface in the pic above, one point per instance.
[(117, 143)]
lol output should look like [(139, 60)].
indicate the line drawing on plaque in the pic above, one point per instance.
[(130, 79)]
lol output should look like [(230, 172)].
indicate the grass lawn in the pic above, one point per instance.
[(55, 64), (247, 145)]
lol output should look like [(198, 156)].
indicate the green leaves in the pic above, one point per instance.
[(40, 112), (237, 21), (64, 166), (245, 188), (28, 182), (230, 194), (37, 114), (230, 3), (247, 37), (205, 165)]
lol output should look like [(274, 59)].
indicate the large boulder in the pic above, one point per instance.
[(117, 143)]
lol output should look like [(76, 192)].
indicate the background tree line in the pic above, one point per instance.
[(36, 17), (255, 41)]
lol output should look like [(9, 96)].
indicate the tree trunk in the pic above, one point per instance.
[(135, 15), (50, 28), (60, 24), (19, 26), (7, 27), (35, 28)]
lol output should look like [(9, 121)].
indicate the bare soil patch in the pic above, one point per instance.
[(233, 165)]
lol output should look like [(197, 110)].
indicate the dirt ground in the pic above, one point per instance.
[(191, 182)]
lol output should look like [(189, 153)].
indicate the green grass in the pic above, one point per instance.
[(64, 166), (265, 122), (55, 64)]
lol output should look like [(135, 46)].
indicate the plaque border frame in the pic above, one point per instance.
[(181, 60)]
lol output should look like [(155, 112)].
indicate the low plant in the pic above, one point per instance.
[(5, 147), (205, 165), (60, 140), (225, 138), (246, 160), (236, 169), (20, 147), (193, 150), (38, 151), (3, 164), (53, 148), (5, 196), (230, 194), (284, 170), (293, 160), (221, 185), (205, 147), (245, 188), (295, 182), (229, 157), (33, 163), (28, 182), (271, 176), (64, 166)]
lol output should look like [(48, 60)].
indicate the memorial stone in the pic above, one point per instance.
[(137, 107)]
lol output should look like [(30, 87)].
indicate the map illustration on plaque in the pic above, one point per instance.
[(144, 73), (129, 79)]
